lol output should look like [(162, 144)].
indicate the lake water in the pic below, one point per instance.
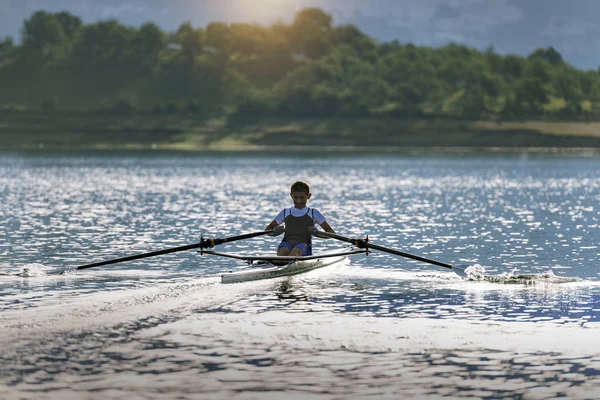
[(378, 326)]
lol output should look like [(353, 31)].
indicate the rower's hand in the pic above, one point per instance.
[(314, 231), (278, 230)]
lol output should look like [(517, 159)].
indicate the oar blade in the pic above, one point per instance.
[(461, 270)]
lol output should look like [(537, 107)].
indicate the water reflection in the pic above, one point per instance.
[(440, 296), (323, 355), (382, 326)]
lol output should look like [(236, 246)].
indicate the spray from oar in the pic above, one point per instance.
[(515, 278), (30, 270), (477, 273)]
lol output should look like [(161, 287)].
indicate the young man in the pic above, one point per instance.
[(299, 222)]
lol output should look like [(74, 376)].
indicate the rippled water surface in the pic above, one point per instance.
[(379, 326)]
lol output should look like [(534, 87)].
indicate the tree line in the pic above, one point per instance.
[(308, 68)]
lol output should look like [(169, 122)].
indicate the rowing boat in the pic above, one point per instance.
[(261, 267), (267, 267)]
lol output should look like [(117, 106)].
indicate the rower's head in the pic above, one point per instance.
[(300, 193)]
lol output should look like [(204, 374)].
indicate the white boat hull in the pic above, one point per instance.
[(267, 270)]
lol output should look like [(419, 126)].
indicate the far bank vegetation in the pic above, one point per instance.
[(307, 69)]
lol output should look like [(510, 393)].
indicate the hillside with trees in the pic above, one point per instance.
[(307, 69)]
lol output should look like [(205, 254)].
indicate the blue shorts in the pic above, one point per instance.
[(306, 249)]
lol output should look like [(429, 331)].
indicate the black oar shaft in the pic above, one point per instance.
[(362, 243), (408, 255), (144, 255), (206, 243), (234, 238)]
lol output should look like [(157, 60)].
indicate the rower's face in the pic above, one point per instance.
[(300, 199)]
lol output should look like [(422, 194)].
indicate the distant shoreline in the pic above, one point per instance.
[(449, 150), (83, 132)]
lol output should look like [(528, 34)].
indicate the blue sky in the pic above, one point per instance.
[(511, 26)]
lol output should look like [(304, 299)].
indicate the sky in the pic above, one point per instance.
[(510, 26)]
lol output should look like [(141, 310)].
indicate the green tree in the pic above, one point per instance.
[(531, 94), (371, 91), (472, 102), (349, 35), (248, 39), (310, 33), (588, 81), (454, 72), (312, 20), (268, 66), (491, 84), (408, 95), (493, 61), (512, 108), (192, 43), (103, 43), (539, 68), (324, 100), (594, 91), (295, 92), (7, 48), (69, 23), (147, 44), (43, 33), (549, 55), (219, 37), (512, 67), (307, 67), (569, 88)]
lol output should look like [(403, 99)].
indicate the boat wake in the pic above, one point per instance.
[(30, 271), (33, 270), (477, 273)]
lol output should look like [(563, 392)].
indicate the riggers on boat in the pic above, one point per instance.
[(266, 267), (272, 266)]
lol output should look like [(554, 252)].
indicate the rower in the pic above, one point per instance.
[(299, 223)]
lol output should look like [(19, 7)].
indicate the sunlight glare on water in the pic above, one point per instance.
[(378, 326)]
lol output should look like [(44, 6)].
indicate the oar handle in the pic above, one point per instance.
[(204, 244), (360, 243), (207, 243), (364, 243)]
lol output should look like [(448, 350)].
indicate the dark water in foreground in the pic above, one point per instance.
[(377, 326)]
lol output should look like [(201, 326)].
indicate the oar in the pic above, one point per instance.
[(204, 243), (364, 243)]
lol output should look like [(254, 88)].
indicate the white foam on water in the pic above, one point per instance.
[(515, 277), (34, 269), (31, 270), (475, 272), (354, 270)]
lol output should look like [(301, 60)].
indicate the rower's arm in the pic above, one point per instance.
[(327, 228), (273, 225)]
